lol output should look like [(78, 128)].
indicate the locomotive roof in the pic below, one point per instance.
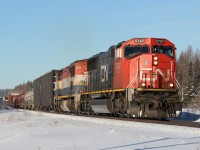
[(79, 60), (96, 55)]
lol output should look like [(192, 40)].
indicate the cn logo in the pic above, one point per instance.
[(157, 71)]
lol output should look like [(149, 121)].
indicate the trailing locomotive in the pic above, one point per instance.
[(135, 78)]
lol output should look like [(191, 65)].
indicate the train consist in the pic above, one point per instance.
[(135, 78)]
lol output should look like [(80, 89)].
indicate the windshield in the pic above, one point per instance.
[(134, 50), (169, 51)]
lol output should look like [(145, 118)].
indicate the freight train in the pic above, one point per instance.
[(135, 78)]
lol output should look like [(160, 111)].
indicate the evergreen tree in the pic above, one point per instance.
[(191, 89)]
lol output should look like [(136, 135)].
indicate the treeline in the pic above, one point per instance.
[(22, 88), (188, 75), (4, 92)]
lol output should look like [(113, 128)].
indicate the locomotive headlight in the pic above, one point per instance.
[(155, 63), (171, 85), (155, 58), (143, 84)]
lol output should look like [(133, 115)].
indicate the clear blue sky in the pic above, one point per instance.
[(39, 35)]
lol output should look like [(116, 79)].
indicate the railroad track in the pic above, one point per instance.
[(156, 121)]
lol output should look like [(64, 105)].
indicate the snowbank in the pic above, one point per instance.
[(119, 123)]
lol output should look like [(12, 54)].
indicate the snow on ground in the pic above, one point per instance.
[(190, 114), (28, 130)]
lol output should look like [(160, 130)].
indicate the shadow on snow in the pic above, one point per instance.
[(155, 147)]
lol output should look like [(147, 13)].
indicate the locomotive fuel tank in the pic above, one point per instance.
[(99, 103)]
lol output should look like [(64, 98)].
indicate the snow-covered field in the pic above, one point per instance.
[(27, 130)]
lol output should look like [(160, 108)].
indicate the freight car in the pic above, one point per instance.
[(134, 78), (19, 101), (43, 88), (23, 100), (11, 98), (28, 100)]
